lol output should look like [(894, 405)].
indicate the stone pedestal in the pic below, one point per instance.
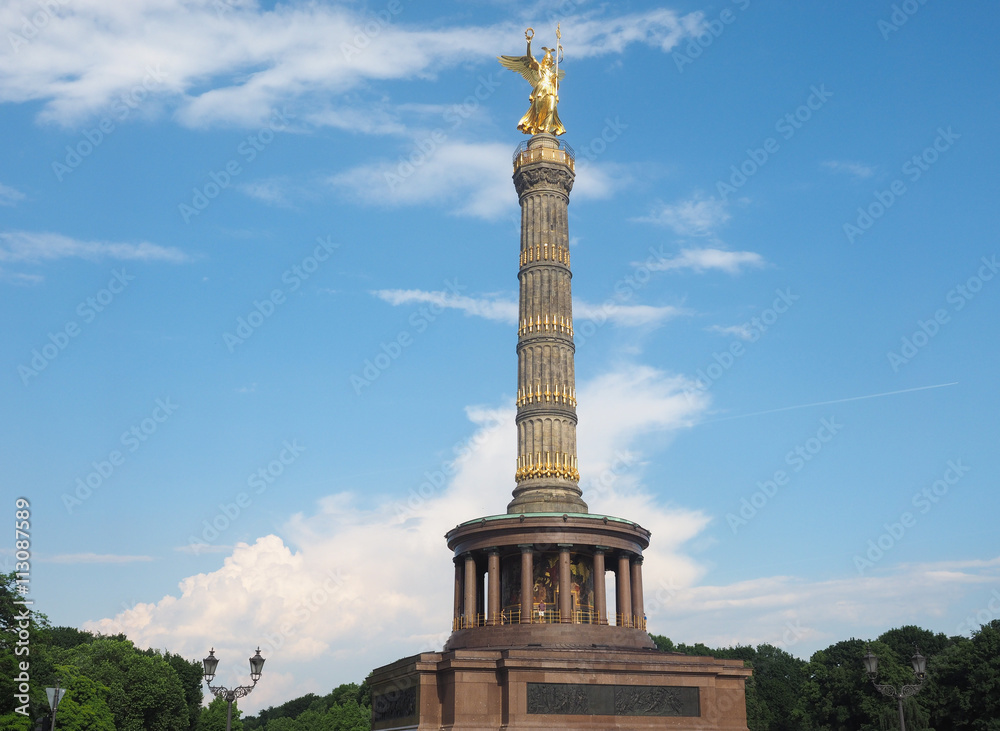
[(552, 688)]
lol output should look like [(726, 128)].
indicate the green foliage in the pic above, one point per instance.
[(69, 637), (144, 692), (346, 708), (84, 706), (213, 716), (189, 672), (13, 647), (964, 682)]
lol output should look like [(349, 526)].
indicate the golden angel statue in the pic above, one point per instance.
[(544, 77)]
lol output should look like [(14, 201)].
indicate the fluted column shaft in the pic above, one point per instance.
[(547, 472)]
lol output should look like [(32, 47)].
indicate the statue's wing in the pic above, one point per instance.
[(524, 65)]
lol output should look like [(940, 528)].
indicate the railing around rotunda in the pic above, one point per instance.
[(563, 153), (581, 615)]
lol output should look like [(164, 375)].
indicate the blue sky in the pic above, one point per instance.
[(259, 265)]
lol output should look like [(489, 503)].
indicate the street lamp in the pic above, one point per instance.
[(211, 662), (919, 663)]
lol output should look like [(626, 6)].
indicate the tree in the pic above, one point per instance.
[(13, 636), (84, 706), (144, 692), (189, 672), (213, 716), (963, 692)]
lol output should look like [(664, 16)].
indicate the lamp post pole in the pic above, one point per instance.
[(54, 694), (211, 662), (919, 663)]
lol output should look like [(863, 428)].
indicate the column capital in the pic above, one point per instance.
[(526, 547), (564, 545)]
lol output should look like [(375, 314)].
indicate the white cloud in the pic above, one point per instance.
[(857, 169), (696, 216), (496, 308), (501, 308), (10, 196), (221, 62), (29, 246), (95, 558), (743, 332), (271, 192), (365, 584), (803, 616), (700, 260), (355, 584), (470, 178), (626, 315)]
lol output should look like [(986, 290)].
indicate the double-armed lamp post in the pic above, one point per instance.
[(211, 662), (919, 663)]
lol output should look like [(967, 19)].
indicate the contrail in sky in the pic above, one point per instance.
[(835, 401)]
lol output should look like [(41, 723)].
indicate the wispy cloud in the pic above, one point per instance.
[(700, 260), (272, 191), (627, 315), (232, 63), (309, 592), (71, 558), (496, 308), (29, 246), (503, 308), (10, 196), (471, 179), (858, 169), (695, 216), (743, 332)]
